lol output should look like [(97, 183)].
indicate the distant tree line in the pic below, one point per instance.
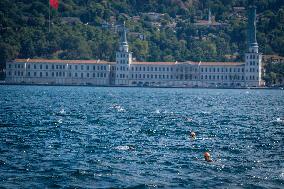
[(24, 30)]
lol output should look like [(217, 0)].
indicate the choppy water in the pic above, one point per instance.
[(84, 137)]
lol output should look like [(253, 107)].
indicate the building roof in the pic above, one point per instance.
[(207, 23), (64, 61), (135, 63), (155, 63), (221, 63), (193, 63), (277, 58)]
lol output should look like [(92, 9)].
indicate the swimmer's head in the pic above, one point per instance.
[(207, 157), (193, 135)]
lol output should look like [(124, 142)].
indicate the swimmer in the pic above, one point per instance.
[(207, 157), (193, 135)]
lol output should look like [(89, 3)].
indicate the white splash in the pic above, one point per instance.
[(281, 176), (62, 111), (279, 120), (60, 121), (119, 108), (157, 111), (124, 148)]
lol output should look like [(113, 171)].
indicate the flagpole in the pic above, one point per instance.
[(49, 19)]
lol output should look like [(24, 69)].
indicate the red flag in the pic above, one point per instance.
[(54, 4)]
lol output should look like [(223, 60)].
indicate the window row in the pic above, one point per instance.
[(122, 55), (186, 69), (59, 74), (143, 68), (16, 73), (252, 56), (151, 76), (222, 77), (122, 61), (251, 77), (16, 66), (252, 63), (222, 70), (60, 67), (157, 76)]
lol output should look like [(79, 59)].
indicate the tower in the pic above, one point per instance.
[(123, 60), (252, 56), (209, 17)]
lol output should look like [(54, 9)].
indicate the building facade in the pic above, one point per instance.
[(126, 72)]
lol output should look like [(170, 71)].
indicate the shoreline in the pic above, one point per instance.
[(174, 87)]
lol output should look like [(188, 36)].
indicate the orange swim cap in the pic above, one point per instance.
[(206, 154), (207, 157)]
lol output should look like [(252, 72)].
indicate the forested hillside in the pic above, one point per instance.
[(159, 30)]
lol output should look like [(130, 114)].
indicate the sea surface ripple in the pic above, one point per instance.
[(89, 137)]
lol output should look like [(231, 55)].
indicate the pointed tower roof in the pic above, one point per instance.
[(124, 34), (252, 27)]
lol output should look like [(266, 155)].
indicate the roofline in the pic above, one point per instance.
[(57, 61), (200, 63)]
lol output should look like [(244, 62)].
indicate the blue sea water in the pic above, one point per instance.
[(89, 137)]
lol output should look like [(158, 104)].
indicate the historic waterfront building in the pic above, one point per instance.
[(127, 72)]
